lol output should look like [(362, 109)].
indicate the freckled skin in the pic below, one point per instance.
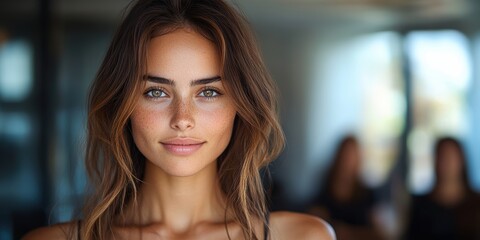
[(183, 56)]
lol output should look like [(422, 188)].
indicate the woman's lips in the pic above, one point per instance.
[(182, 146)]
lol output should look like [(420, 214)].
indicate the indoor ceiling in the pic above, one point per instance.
[(293, 13), (376, 12)]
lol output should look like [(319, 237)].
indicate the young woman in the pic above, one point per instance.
[(345, 201), (451, 210), (182, 117)]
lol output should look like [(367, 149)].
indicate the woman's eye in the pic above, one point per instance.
[(209, 93), (155, 93)]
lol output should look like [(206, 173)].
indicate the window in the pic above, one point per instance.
[(441, 76), (15, 70)]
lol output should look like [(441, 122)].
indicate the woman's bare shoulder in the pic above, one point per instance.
[(59, 231), (290, 225)]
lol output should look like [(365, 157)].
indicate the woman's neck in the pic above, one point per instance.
[(343, 188), (450, 192), (178, 203)]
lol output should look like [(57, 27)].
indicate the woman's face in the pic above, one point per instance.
[(184, 119), (349, 159), (450, 162)]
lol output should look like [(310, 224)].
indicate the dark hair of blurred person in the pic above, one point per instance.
[(451, 209), (345, 201)]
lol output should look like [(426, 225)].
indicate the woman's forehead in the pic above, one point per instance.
[(182, 55)]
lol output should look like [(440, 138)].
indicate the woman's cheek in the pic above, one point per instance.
[(148, 118), (217, 116)]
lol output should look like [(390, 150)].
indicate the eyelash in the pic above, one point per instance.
[(217, 93), (149, 93)]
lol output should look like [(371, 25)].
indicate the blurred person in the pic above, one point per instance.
[(345, 202), (182, 117), (452, 209)]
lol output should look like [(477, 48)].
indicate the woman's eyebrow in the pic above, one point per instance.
[(204, 81), (163, 80), (160, 80)]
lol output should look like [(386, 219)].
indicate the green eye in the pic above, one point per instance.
[(155, 93), (209, 93)]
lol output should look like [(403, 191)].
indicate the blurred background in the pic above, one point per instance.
[(393, 75)]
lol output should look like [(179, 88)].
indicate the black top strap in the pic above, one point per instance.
[(79, 225)]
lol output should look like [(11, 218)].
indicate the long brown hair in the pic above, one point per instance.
[(439, 145), (359, 189), (115, 165)]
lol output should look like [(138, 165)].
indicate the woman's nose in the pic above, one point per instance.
[(182, 117)]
